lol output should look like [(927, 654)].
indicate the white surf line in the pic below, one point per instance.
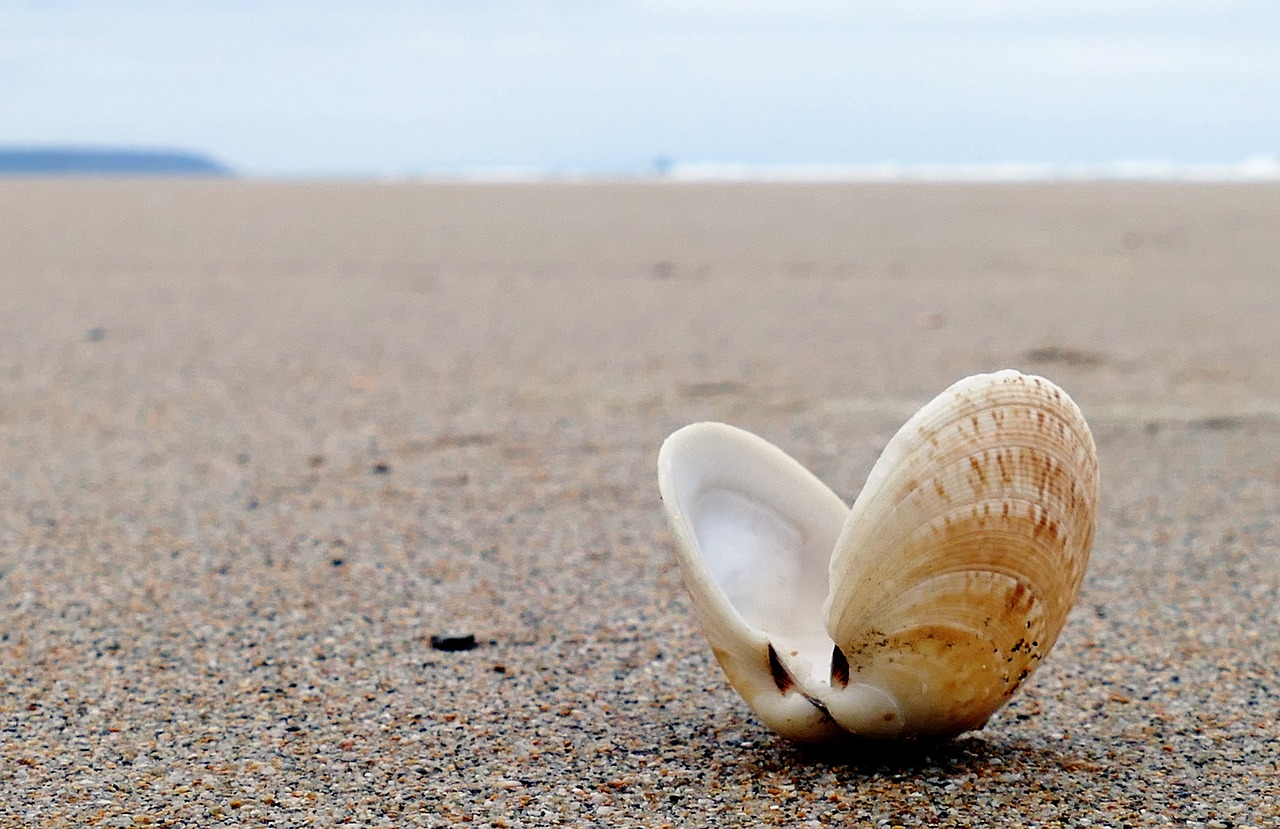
[(1122, 412)]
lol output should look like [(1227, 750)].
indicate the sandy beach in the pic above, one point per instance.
[(260, 442)]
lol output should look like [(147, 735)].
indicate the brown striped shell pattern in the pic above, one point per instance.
[(917, 612)]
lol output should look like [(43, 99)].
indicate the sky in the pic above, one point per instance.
[(397, 88)]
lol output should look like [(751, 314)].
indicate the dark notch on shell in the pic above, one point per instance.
[(839, 668), (781, 676)]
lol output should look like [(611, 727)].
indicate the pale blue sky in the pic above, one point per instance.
[(407, 88)]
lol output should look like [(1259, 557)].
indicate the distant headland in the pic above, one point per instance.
[(100, 161)]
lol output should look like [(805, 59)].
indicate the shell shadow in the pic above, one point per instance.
[(969, 753)]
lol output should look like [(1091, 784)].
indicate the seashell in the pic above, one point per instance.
[(918, 612)]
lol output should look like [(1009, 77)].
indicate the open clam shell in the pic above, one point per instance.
[(918, 612)]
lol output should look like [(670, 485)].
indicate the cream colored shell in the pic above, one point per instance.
[(918, 612)]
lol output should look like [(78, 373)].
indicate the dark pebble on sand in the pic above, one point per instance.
[(453, 641)]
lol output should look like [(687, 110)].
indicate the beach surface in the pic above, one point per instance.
[(260, 442)]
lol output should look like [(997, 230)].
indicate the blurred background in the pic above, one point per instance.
[(972, 88)]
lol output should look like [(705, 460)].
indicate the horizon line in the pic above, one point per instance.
[(1255, 168), (1262, 167)]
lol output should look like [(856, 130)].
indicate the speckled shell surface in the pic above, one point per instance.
[(918, 612)]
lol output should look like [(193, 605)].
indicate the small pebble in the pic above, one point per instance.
[(453, 641)]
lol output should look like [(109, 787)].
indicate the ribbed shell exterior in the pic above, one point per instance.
[(959, 562)]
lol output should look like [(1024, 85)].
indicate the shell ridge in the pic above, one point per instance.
[(1061, 461), (877, 580), (1050, 486), (1034, 598)]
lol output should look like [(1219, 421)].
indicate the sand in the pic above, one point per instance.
[(260, 442)]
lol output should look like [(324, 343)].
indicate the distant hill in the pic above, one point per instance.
[(70, 161)]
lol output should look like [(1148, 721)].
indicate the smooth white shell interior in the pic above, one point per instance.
[(742, 539), (762, 528)]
